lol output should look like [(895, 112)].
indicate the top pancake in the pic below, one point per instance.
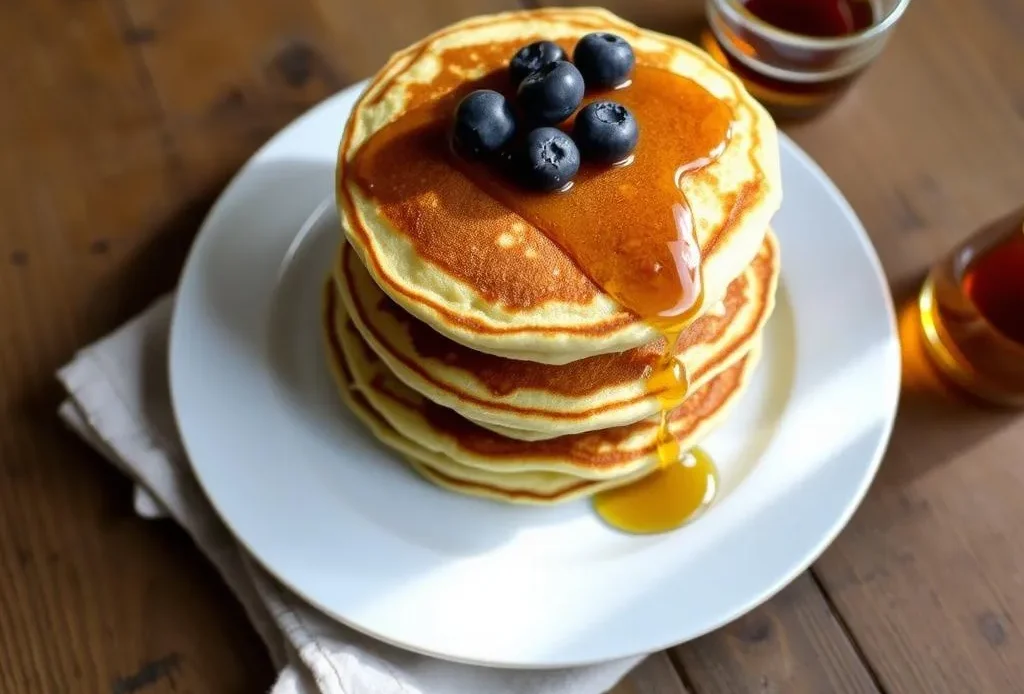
[(476, 271)]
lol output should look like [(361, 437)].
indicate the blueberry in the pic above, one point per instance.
[(605, 131), (551, 159), (533, 57), (605, 60), (550, 95), (484, 123)]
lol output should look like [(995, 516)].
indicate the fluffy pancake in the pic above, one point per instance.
[(534, 401), (537, 488), (516, 487), (615, 454), (477, 272), (530, 487)]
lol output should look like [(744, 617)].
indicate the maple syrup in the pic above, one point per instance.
[(684, 483), (819, 18), (995, 283), (665, 499), (798, 56), (972, 313), (629, 228)]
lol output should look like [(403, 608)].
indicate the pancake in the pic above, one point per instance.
[(463, 262), (530, 487), (522, 489), (534, 401), (537, 488), (615, 454)]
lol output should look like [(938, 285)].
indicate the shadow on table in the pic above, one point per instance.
[(153, 268)]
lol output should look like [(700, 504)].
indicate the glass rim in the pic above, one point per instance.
[(737, 12)]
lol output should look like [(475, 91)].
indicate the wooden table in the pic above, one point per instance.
[(120, 120)]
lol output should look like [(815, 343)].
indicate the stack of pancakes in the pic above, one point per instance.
[(475, 346)]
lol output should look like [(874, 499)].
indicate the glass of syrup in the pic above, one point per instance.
[(972, 312), (798, 56)]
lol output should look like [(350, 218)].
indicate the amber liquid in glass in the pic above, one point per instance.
[(810, 18), (972, 313), (818, 18)]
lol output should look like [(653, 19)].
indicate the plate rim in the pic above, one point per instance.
[(841, 520)]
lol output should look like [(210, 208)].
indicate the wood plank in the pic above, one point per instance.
[(121, 122), (924, 144), (230, 74), (684, 18), (93, 600), (792, 644), (655, 675), (928, 575)]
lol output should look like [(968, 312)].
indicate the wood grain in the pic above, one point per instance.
[(122, 119), (120, 122), (655, 675), (792, 644), (928, 575), (90, 597)]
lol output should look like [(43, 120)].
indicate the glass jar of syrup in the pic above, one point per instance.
[(972, 312), (798, 56)]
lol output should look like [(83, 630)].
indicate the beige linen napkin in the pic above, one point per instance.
[(118, 401)]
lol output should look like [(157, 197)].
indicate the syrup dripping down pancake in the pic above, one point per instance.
[(533, 401), (465, 452)]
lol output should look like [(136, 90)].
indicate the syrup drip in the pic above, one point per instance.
[(671, 385), (629, 228), (685, 481), (665, 499)]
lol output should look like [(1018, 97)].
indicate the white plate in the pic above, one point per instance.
[(340, 520)]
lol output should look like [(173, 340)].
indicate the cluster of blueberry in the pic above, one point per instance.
[(550, 89)]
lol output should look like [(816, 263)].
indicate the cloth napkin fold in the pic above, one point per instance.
[(118, 401)]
